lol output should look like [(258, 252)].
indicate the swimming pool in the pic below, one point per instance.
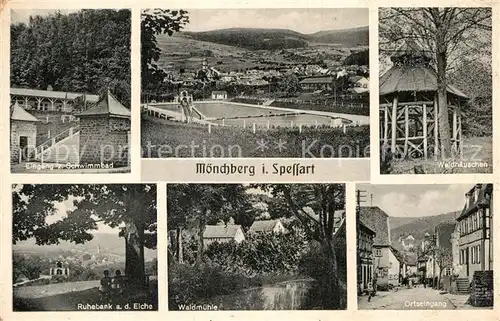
[(246, 115)]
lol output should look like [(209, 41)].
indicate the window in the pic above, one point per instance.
[(473, 254), (478, 254), (378, 252)]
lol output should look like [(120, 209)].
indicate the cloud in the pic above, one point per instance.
[(422, 201)]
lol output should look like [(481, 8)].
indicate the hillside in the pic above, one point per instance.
[(108, 243), (347, 37), (273, 39), (417, 226)]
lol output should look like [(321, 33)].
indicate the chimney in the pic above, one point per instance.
[(468, 199), (476, 192)]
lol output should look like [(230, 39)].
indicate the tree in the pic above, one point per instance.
[(444, 259), (289, 85), (451, 34), (196, 205), (131, 208), (86, 51), (156, 22), (314, 205)]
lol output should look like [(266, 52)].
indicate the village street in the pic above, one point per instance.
[(418, 298)]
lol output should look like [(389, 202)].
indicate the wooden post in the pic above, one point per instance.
[(209, 128), (436, 132), (268, 124), (244, 123), (386, 125), (455, 124), (407, 129), (300, 128), (461, 145), (424, 129), (394, 124), (223, 121), (316, 124), (291, 124), (253, 128), (344, 129)]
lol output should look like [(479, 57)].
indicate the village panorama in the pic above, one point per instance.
[(70, 91), (255, 83), (425, 247)]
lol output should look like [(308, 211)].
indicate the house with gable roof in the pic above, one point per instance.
[(223, 233)]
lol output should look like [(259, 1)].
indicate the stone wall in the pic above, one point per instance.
[(104, 139), (482, 289), (93, 133), (20, 128)]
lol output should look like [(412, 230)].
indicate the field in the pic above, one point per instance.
[(180, 52), (163, 139)]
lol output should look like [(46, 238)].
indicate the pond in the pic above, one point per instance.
[(288, 295)]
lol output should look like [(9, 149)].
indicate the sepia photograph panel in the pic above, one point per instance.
[(435, 90), (425, 247), (70, 91), (84, 247), (282, 83), (256, 247)]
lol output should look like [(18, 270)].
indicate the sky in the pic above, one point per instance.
[(23, 15), (416, 200), (301, 20), (62, 209)]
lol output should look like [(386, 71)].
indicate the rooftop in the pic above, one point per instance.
[(263, 226), (51, 94), (317, 80), (18, 113), (412, 78), (484, 198), (221, 231), (378, 221), (107, 105)]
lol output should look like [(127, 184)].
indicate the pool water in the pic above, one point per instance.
[(232, 114)]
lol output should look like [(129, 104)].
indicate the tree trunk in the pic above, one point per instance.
[(134, 253), (201, 227), (333, 286), (444, 125), (179, 250)]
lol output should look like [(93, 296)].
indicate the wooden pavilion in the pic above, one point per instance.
[(409, 106)]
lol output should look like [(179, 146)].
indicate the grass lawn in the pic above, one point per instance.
[(478, 152), (164, 139)]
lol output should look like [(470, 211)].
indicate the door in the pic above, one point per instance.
[(467, 260), (23, 144)]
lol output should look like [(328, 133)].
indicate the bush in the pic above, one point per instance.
[(194, 284), (259, 254)]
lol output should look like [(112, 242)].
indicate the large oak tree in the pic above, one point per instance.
[(129, 208)]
